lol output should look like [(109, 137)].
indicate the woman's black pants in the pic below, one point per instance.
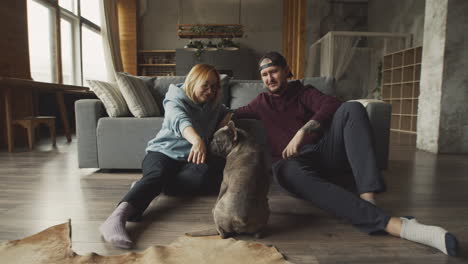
[(174, 177)]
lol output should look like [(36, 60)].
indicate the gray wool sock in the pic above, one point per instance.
[(433, 236), (113, 229)]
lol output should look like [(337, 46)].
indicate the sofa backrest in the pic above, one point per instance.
[(244, 91), (159, 86), (236, 93)]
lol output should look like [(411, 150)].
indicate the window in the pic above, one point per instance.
[(94, 67), (90, 10), (80, 45), (70, 5), (41, 44), (68, 47)]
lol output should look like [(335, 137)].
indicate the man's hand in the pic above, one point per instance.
[(292, 149), (197, 154)]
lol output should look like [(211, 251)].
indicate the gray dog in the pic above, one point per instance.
[(242, 204)]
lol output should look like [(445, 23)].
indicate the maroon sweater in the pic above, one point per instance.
[(283, 115)]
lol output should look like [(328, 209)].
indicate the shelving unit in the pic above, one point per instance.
[(401, 74), (194, 31), (156, 62)]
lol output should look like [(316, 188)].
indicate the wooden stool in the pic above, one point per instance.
[(31, 122)]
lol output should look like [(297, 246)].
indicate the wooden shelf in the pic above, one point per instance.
[(403, 131), (401, 67), (156, 62), (402, 98), (163, 65), (210, 35), (401, 73), (156, 51), (404, 115), (210, 31)]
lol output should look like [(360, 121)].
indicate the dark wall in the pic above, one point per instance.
[(241, 63), (14, 58)]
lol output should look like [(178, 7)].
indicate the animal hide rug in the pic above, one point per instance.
[(53, 245)]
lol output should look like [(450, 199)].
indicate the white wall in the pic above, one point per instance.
[(443, 111), (398, 16)]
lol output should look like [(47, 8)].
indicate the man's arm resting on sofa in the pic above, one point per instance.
[(88, 112)]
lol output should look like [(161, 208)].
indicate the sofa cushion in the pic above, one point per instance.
[(244, 91), (111, 97), (324, 84), (122, 141), (137, 95)]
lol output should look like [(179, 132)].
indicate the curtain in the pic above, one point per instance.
[(343, 52), (313, 61), (352, 58), (142, 7), (294, 35), (110, 37)]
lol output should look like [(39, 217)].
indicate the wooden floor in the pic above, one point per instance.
[(45, 187)]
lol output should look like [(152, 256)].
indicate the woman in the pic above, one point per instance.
[(178, 153)]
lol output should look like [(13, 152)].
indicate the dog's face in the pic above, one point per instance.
[(224, 140)]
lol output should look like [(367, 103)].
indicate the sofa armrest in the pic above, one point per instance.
[(88, 112), (379, 113)]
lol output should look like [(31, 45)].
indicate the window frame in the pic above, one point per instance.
[(77, 22)]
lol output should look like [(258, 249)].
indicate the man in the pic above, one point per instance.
[(313, 135)]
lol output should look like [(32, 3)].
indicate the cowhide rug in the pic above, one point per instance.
[(53, 245)]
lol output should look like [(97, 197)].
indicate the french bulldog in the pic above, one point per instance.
[(242, 204)]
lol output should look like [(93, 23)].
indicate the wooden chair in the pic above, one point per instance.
[(31, 122)]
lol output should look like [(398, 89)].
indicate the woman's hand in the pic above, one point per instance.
[(292, 148), (197, 154)]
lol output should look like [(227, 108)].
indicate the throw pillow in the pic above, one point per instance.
[(111, 97), (139, 99)]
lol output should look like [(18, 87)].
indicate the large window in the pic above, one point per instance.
[(69, 63), (41, 44), (80, 45), (93, 57)]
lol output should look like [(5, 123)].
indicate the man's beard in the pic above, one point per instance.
[(278, 90)]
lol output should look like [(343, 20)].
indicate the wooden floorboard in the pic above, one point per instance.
[(45, 187)]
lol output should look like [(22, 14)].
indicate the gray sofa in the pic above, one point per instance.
[(119, 143)]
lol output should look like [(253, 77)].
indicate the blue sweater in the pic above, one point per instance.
[(182, 112)]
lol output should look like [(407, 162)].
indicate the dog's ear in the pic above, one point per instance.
[(233, 129)]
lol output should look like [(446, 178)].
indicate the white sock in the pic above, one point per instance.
[(433, 236), (113, 229), (133, 184), (371, 200)]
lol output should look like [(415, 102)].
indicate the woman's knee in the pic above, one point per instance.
[(192, 176)]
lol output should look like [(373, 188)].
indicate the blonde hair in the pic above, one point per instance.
[(199, 74)]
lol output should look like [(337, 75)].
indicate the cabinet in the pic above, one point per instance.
[(401, 74), (156, 62)]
